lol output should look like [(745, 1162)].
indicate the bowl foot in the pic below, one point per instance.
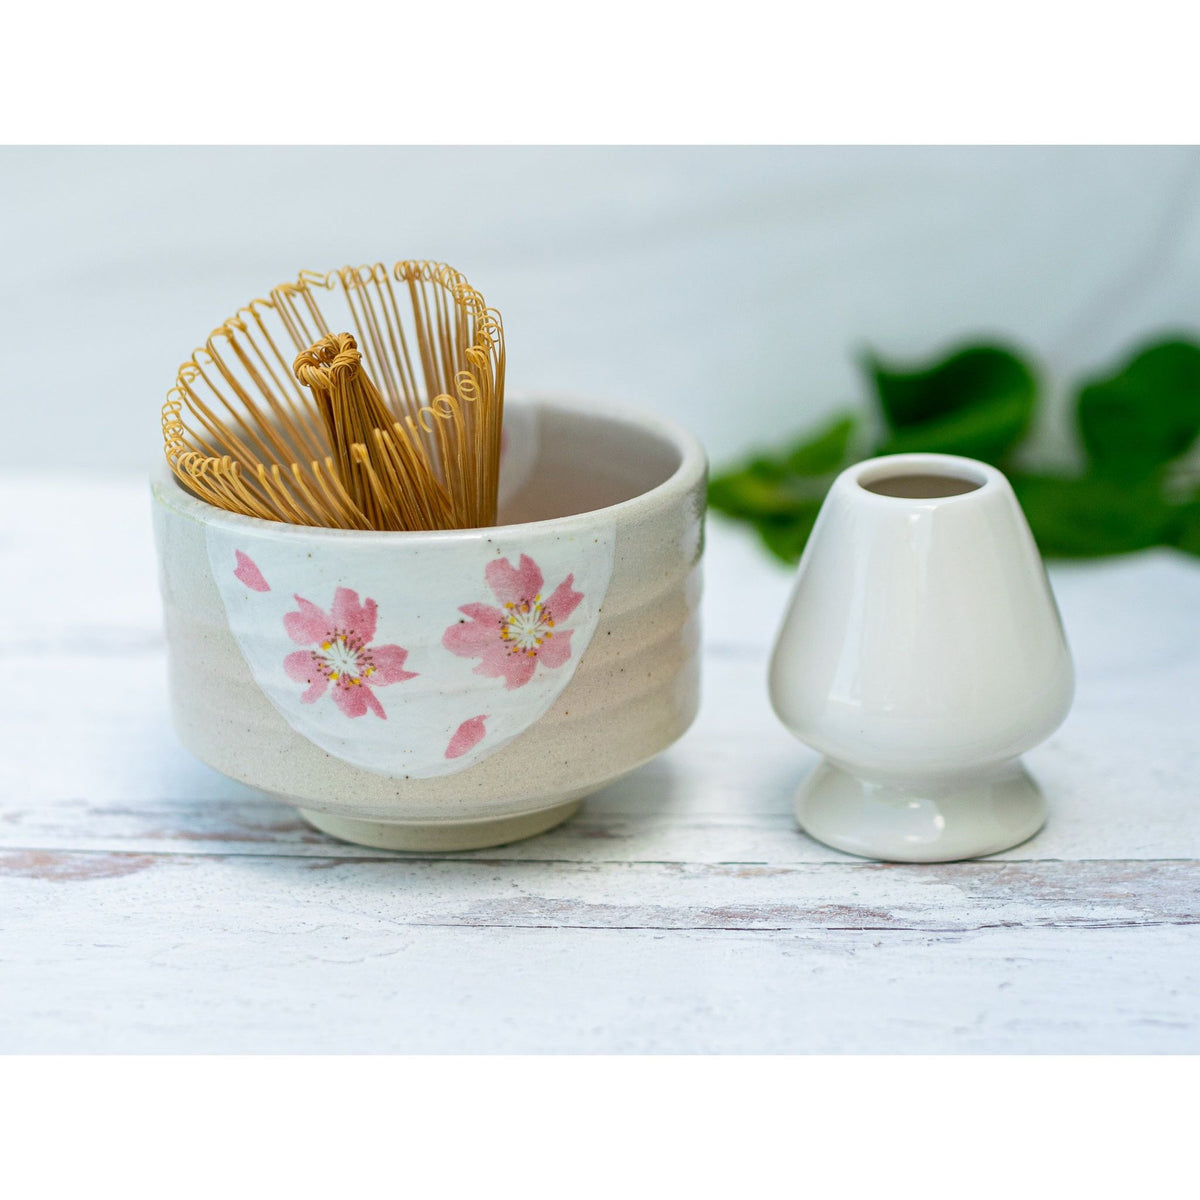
[(919, 822), (440, 835)]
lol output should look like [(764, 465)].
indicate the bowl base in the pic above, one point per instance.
[(440, 835), (920, 823)]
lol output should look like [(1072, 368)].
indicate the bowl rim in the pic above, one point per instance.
[(693, 465)]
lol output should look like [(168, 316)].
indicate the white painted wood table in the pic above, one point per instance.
[(148, 904)]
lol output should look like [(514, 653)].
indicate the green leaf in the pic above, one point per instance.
[(786, 537), (987, 431), (978, 401), (1091, 516), (779, 487), (762, 488), (1146, 413), (827, 451), (1185, 528), (782, 495)]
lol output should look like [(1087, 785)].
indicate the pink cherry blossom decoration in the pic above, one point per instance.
[(467, 736), (247, 571), (340, 653), (523, 630)]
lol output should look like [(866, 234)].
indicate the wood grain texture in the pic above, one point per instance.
[(950, 897), (147, 904), (257, 953)]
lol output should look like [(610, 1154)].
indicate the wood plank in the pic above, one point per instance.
[(566, 992), (249, 954), (951, 897), (91, 761)]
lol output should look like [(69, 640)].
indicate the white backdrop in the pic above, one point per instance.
[(728, 287)]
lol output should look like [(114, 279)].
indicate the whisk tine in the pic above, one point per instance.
[(375, 427)]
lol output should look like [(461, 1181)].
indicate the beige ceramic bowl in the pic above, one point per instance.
[(453, 689)]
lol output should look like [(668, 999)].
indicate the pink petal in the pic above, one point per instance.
[(356, 619), (514, 584), (467, 736), (555, 651), (309, 625), (373, 702), (301, 665), (352, 700), (388, 662), (564, 600), (516, 669), (247, 571), (469, 639), (495, 657)]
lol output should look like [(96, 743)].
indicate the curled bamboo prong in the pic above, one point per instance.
[(392, 425)]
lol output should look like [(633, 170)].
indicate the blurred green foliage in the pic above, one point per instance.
[(1135, 426)]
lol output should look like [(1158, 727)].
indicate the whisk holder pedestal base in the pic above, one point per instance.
[(920, 821)]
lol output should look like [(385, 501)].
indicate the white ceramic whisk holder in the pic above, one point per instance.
[(922, 653)]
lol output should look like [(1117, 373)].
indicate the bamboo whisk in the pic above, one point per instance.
[(316, 440)]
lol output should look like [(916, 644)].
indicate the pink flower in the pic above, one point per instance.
[(341, 654), (511, 640)]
